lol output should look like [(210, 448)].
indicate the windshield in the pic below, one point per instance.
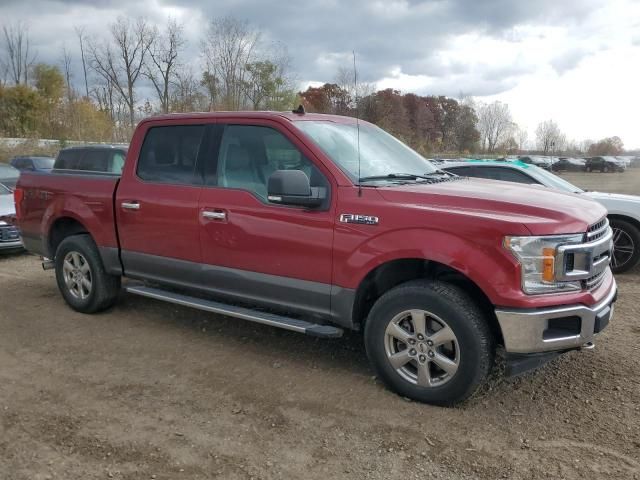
[(553, 181), (380, 153), (43, 162)]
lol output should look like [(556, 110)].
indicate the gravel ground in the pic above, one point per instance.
[(148, 390)]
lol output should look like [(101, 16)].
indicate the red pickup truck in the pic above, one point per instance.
[(318, 223)]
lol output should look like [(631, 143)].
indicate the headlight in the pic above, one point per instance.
[(537, 257)]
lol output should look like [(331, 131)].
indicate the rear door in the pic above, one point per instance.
[(157, 205), (272, 254)]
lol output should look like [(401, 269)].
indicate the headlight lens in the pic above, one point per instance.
[(537, 256)]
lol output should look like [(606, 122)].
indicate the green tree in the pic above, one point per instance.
[(266, 88), (20, 111), (50, 85)]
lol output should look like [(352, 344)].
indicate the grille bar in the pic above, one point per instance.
[(597, 230)]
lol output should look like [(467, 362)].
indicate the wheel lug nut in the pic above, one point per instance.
[(422, 358), (420, 337), (412, 341), (431, 354), (430, 343), (412, 351)]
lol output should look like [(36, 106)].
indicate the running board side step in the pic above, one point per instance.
[(293, 324)]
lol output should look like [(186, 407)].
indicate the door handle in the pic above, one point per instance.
[(209, 215), (130, 205)]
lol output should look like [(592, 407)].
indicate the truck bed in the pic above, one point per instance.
[(83, 197)]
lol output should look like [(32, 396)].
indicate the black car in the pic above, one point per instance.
[(565, 164), (542, 162), (604, 164), (32, 163), (92, 158)]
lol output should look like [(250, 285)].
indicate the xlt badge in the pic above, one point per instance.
[(360, 219)]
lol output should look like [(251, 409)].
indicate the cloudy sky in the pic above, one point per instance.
[(574, 61)]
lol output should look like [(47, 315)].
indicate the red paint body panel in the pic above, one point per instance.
[(459, 223), (87, 199)]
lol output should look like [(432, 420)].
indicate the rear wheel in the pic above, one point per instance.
[(605, 169), (626, 246), (429, 342), (81, 277)]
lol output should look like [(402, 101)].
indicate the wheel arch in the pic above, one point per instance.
[(392, 273), (62, 228), (626, 218)]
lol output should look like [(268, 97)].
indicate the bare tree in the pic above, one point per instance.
[(228, 47), (163, 61), (187, 94), (80, 34), (521, 137), (66, 65), (120, 61), (549, 138), (19, 57), (494, 124)]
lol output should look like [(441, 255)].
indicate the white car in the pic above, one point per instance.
[(9, 235), (624, 210)]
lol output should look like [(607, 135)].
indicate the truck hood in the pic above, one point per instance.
[(6, 205), (541, 210)]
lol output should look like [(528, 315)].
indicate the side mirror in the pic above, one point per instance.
[(292, 187)]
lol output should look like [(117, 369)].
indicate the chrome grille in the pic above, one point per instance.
[(9, 233), (594, 282), (597, 230)]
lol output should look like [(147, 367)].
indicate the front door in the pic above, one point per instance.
[(157, 206), (271, 254)]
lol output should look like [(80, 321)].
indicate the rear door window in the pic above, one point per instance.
[(68, 160), (95, 160), (169, 154)]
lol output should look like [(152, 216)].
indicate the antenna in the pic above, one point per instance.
[(355, 85)]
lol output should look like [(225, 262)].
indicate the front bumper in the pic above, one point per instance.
[(14, 245), (554, 329), (9, 236)]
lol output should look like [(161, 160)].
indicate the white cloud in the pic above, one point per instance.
[(575, 61)]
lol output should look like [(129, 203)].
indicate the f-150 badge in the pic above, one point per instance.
[(360, 219)]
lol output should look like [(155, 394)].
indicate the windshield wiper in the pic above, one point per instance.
[(395, 176)]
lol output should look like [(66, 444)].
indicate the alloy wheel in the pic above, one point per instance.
[(77, 275), (623, 248), (422, 348)]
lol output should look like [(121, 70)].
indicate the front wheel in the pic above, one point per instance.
[(81, 277), (429, 341), (626, 246)]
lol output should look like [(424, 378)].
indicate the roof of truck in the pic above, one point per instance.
[(294, 117)]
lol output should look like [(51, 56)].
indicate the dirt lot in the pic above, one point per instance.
[(148, 390)]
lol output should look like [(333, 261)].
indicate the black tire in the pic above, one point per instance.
[(632, 239), (104, 287), (460, 314)]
